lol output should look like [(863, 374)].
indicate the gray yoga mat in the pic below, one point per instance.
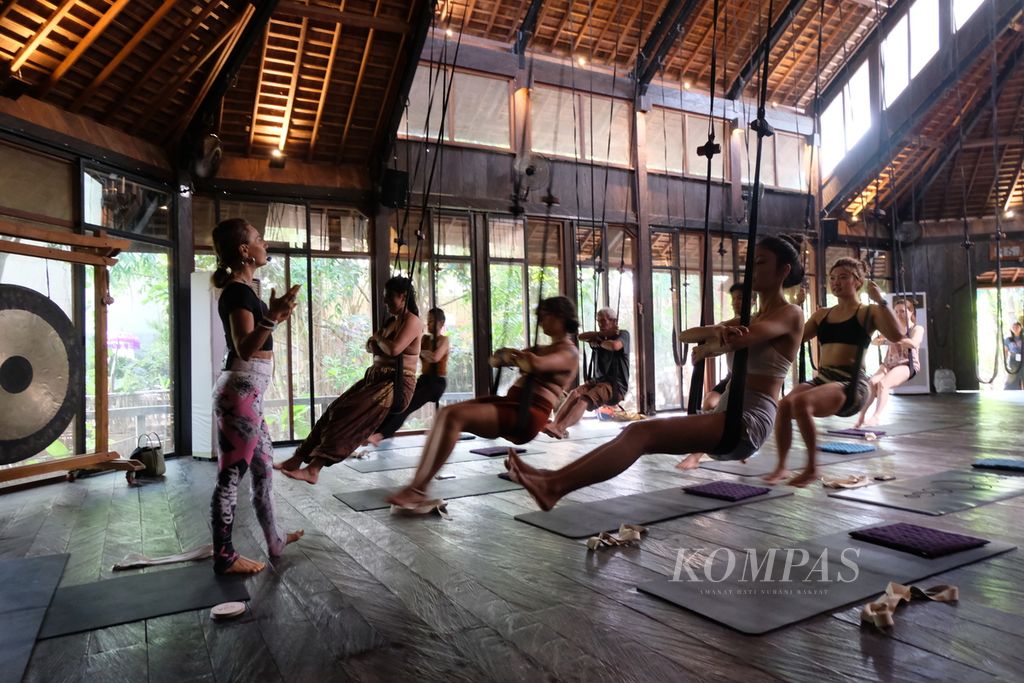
[(401, 460), (938, 494), (756, 603), (764, 463), (589, 519), (459, 487), (27, 585), (91, 606), (905, 426), (410, 441)]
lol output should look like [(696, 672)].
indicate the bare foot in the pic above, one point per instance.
[(294, 536), (374, 439), (522, 466), (871, 421), (804, 478), (409, 498), (553, 431), (857, 424), (243, 565), (690, 462), (534, 482), (292, 463), (308, 474), (776, 476)]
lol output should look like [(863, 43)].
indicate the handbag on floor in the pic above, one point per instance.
[(152, 456)]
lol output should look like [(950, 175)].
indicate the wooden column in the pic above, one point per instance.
[(101, 286), (643, 276)]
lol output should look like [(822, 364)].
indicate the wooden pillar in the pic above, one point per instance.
[(183, 262), (645, 385), (480, 277), (100, 290)]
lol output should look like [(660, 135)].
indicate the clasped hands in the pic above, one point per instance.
[(719, 339)]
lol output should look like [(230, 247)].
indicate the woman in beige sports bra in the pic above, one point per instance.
[(773, 340), (357, 413), (546, 372)]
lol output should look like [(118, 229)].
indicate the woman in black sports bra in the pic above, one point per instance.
[(840, 387)]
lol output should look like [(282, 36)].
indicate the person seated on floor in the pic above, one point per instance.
[(609, 379), (772, 340), (546, 371), (433, 380), (357, 413), (901, 363), (840, 387)]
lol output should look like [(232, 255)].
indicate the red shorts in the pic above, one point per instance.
[(508, 415)]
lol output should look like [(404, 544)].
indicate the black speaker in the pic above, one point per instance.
[(394, 187), (829, 230)]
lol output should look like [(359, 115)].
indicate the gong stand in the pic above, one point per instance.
[(97, 251)]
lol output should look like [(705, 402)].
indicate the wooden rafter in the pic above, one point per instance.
[(322, 101), (359, 84), (123, 53), (30, 47), (393, 74), (84, 44), (256, 97), (296, 9), (293, 84)]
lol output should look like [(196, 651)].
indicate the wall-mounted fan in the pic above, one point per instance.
[(532, 174), (908, 232), (206, 156)]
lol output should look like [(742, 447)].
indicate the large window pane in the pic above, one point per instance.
[(964, 10), (857, 96), (666, 380), (924, 34), (481, 110), (282, 225), (790, 162), (508, 328), (767, 159), (833, 147), (665, 140), (414, 121), (139, 379), (552, 122), (608, 131), (114, 202), (896, 61), (697, 136), (506, 238), (338, 230)]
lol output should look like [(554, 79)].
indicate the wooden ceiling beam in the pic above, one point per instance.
[(30, 47), (359, 84), (69, 61), (565, 22), (122, 54), (293, 85), (662, 37), (526, 29), (775, 33), (322, 100), (292, 8), (256, 95)]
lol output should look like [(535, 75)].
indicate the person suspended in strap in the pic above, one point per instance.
[(840, 387), (547, 369), (1012, 347), (772, 340), (608, 379), (359, 412), (901, 363), (715, 395)]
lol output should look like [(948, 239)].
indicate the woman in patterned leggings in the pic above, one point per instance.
[(242, 434)]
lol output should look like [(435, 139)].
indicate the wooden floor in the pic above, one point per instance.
[(371, 597)]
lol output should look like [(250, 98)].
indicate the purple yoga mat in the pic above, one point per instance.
[(725, 490), (493, 451), (857, 432), (919, 540)]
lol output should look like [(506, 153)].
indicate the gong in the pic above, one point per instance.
[(42, 366)]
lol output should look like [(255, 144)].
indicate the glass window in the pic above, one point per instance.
[(896, 61), (282, 225), (832, 146), (36, 183), (924, 34), (790, 161), (506, 238), (767, 159), (857, 96), (608, 131), (481, 111), (964, 10), (553, 122), (338, 230), (112, 201), (452, 236), (665, 140), (697, 136), (414, 121), (204, 219)]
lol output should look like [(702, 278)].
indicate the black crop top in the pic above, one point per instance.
[(848, 331), (239, 295)]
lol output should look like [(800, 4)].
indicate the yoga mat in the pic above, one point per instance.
[(844, 448), (91, 606), (410, 441), (460, 487), (384, 461), (758, 602), (905, 426), (27, 585), (797, 460), (1004, 464), (589, 519), (938, 494)]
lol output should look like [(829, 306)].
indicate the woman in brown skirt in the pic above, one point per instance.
[(357, 413)]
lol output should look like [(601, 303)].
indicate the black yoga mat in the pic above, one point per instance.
[(757, 601), (27, 585), (139, 596), (589, 519), (797, 460), (904, 426), (409, 441), (384, 461), (938, 494), (460, 487)]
